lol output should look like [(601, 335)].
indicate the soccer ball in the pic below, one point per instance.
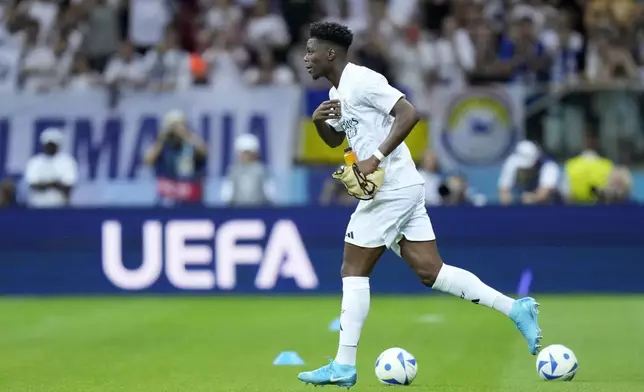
[(557, 362), (396, 366)]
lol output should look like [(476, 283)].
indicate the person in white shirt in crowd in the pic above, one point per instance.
[(429, 169), (81, 76), (10, 35), (226, 57), (265, 28), (454, 53), (356, 22), (147, 22), (168, 66), (222, 15), (414, 63), (267, 72), (529, 176), (126, 69), (42, 11), (11, 42), (51, 175), (38, 61), (64, 59), (248, 182)]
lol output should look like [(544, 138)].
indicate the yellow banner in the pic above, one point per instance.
[(313, 150)]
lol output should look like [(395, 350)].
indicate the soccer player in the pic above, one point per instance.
[(376, 118)]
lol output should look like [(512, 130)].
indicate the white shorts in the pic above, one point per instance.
[(390, 216)]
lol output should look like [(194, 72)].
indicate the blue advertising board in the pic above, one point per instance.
[(299, 250)]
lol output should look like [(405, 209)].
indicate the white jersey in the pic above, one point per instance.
[(366, 100)]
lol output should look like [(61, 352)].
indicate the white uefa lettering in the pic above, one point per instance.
[(230, 254), (179, 255), (150, 269), (285, 257)]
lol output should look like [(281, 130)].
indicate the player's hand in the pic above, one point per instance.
[(327, 110), (368, 166), (528, 198)]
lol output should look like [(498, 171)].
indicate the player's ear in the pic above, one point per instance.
[(331, 54)]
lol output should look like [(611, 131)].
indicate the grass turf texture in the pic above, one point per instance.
[(228, 344)]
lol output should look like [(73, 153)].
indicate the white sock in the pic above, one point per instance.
[(355, 307), (466, 285)]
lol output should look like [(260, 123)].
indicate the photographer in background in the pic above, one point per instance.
[(52, 174), (530, 175), (248, 182), (455, 191), (178, 157)]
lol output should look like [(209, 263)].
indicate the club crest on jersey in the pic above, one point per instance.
[(479, 126), (349, 126)]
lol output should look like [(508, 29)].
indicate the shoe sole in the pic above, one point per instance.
[(534, 312), (341, 385)]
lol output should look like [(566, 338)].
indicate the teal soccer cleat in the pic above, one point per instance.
[(331, 374), (524, 314)]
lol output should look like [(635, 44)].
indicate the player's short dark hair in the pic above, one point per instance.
[(332, 32)]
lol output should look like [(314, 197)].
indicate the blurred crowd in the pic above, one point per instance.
[(419, 45), (172, 44)]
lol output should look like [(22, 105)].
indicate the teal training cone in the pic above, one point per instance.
[(288, 358), (335, 325)]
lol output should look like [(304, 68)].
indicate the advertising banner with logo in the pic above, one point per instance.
[(299, 250), (109, 144), (476, 126)]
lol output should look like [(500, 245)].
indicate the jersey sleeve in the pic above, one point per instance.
[(380, 95), (549, 175), (335, 124), (508, 173)]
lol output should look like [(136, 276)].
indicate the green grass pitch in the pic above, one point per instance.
[(219, 344)]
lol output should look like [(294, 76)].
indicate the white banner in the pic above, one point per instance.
[(476, 126), (109, 144)]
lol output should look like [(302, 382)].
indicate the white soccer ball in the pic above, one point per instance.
[(396, 366), (557, 362)]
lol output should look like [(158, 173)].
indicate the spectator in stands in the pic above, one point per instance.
[(565, 47), (374, 52), (619, 188), (248, 182), (148, 21), (179, 158), (38, 61), (126, 69), (82, 77), (8, 193), (43, 12), (586, 174), (265, 28), (226, 58), (167, 66), (413, 61), (455, 191), (454, 53), (523, 54), (63, 60), (609, 59), (269, 73), (51, 175), (103, 33), (221, 15), (335, 193), (430, 171), (529, 175)]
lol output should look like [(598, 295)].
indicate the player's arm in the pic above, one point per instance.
[(328, 110), (406, 118), (390, 101)]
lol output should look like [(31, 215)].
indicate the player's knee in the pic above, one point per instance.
[(429, 272)]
